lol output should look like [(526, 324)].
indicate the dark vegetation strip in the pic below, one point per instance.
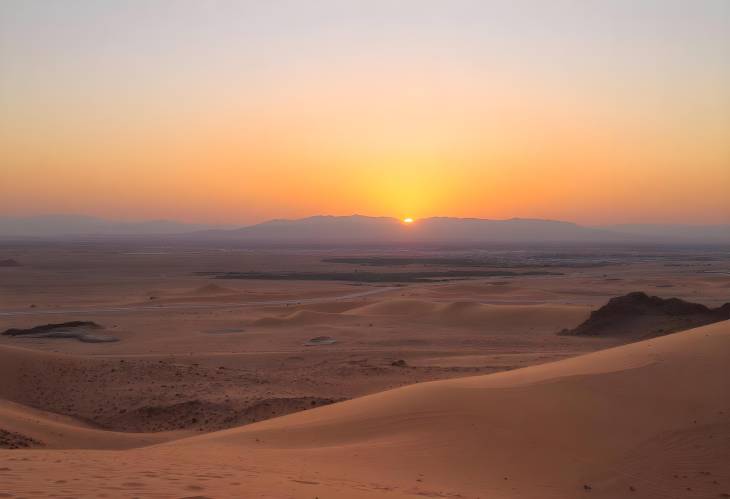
[(377, 261), (373, 276), (398, 261)]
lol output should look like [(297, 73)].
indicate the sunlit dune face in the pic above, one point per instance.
[(408, 220)]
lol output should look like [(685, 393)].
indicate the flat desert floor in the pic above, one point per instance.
[(188, 401)]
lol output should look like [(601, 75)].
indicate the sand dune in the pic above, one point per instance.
[(298, 318), (649, 420), (471, 313), (606, 420), (457, 313), (395, 307)]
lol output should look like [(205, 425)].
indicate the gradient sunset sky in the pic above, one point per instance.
[(235, 112)]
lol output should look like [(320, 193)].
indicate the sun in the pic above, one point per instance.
[(408, 220)]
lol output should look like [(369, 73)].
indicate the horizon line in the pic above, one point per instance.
[(352, 215)]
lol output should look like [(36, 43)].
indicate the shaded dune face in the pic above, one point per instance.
[(604, 423)]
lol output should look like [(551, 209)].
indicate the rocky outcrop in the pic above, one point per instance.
[(641, 315)]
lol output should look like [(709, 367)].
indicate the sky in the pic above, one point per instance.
[(590, 111)]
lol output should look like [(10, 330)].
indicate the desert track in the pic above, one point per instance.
[(187, 306)]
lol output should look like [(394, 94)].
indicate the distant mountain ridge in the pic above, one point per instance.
[(80, 225), (360, 229), (356, 229)]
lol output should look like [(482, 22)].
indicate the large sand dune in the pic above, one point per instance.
[(648, 420)]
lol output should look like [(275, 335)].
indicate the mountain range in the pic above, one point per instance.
[(81, 225), (358, 229)]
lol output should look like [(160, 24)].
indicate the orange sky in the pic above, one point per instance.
[(606, 127)]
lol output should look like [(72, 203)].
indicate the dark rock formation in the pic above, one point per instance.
[(320, 340), (646, 316), (74, 329), (51, 328)]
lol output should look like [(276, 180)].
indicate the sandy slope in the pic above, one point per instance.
[(60, 432), (649, 420), (23, 371)]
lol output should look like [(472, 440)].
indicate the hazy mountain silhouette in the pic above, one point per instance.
[(358, 229), (361, 229), (76, 225)]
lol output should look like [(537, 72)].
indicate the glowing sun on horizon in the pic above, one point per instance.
[(408, 220)]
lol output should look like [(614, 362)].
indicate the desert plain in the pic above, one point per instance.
[(358, 372)]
